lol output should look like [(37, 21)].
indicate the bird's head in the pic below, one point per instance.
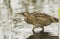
[(25, 14)]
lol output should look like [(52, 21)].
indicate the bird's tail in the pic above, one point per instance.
[(54, 20)]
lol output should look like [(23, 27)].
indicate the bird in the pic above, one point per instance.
[(39, 19)]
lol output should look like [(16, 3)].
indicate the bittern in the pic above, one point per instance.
[(39, 20)]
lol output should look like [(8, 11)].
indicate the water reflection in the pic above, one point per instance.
[(42, 35)]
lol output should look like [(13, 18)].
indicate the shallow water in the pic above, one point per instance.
[(42, 35)]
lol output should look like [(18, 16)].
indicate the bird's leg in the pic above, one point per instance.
[(42, 29), (33, 30)]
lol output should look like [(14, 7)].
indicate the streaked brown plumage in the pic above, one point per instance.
[(39, 19)]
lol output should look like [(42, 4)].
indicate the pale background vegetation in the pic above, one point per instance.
[(9, 8)]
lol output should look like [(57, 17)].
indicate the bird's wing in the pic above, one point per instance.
[(40, 15)]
